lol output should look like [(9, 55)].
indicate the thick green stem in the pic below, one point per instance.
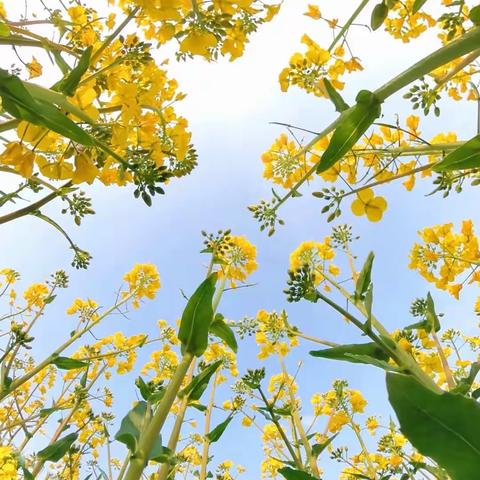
[(463, 45), (139, 461)]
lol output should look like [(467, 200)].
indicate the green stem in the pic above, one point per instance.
[(208, 419), (139, 461), (273, 418), (48, 360), (463, 45), (347, 25), (32, 207), (114, 34)]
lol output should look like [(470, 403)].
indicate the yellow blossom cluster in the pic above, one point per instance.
[(283, 162), (273, 335), (238, 261), (402, 24), (8, 463), (309, 70), (317, 256), (207, 29), (143, 281), (447, 258)]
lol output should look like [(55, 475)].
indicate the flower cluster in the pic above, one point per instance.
[(447, 258)]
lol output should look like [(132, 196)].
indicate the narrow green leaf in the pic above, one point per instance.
[(18, 102), (294, 474), (354, 353), (335, 97), (45, 95), (69, 82), (464, 157), (55, 451), (61, 63), (217, 432), (417, 5), (383, 364), (318, 448), (379, 14), (364, 278), (66, 363), (451, 420), (220, 329), (430, 315), (194, 390), (197, 317), (353, 124)]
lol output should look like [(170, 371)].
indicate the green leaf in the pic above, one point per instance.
[(194, 390), (217, 432), (27, 475), (364, 278), (335, 97), (18, 102), (383, 364), (354, 353), (353, 124), (464, 157), (69, 82), (160, 453), (465, 384), (318, 448), (474, 15), (221, 330), (443, 426), (55, 451), (45, 95), (417, 5), (430, 315), (379, 14), (294, 474), (131, 426), (66, 363), (144, 389), (197, 317)]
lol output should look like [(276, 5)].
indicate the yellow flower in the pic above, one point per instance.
[(357, 401), (315, 255), (313, 12), (247, 421), (372, 425), (143, 281), (8, 463), (239, 260), (337, 421), (34, 68), (19, 157), (85, 169), (36, 294), (198, 42), (368, 204)]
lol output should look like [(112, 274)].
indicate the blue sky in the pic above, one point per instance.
[(229, 106)]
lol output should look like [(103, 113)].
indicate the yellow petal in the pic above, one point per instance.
[(358, 207)]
